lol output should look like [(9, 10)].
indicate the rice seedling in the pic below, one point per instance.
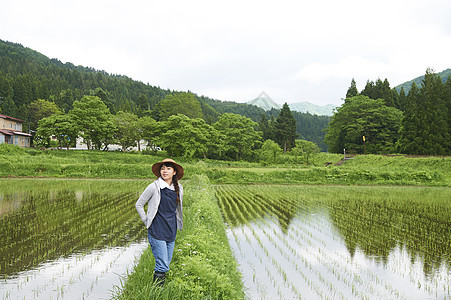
[(342, 242), (64, 229)]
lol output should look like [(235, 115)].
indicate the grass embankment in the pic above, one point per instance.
[(361, 170), (203, 266)]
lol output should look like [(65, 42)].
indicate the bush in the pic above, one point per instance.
[(7, 149)]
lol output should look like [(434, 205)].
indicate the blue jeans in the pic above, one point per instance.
[(162, 251)]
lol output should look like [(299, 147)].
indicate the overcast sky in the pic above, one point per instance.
[(233, 50)]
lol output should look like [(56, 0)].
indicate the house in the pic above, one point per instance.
[(11, 132)]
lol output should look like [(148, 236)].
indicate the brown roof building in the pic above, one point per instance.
[(11, 132)]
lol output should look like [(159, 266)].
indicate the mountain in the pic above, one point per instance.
[(307, 107), (264, 101), (267, 103), (407, 85), (27, 75)]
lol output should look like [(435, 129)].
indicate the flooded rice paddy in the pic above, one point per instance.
[(340, 242), (67, 239)]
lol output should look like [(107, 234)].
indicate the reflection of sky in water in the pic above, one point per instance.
[(55, 225), (89, 276), (311, 259)]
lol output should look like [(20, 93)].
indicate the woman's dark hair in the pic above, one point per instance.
[(175, 180)]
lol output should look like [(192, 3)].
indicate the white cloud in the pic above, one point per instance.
[(233, 50), (348, 67)]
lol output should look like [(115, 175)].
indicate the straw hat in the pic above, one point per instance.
[(178, 168)]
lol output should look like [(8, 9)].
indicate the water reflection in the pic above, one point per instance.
[(43, 220), (378, 227), (348, 242)]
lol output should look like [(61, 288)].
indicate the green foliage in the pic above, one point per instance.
[(61, 126), (270, 151), (7, 149), (27, 76), (352, 90), (307, 148), (127, 129), (425, 126), (147, 129), (179, 103), (379, 90), (94, 120), (250, 111), (285, 129), (181, 136), (361, 116), (308, 127), (40, 109), (240, 136), (444, 75)]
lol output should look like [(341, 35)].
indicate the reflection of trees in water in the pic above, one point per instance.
[(377, 227), (246, 204), (52, 224), (376, 220)]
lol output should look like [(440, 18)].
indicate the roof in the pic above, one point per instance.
[(11, 118), (13, 132)]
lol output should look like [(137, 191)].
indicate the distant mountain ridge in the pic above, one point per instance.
[(267, 103), (407, 85), (307, 107), (264, 101)]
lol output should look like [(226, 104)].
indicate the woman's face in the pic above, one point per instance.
[(167, 173)]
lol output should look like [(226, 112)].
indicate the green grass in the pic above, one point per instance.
[(203, 266), (361, 170)]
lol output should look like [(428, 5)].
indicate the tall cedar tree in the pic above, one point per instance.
[(379, 90), (352, 91), (263, 126), (425, 126), (409, 125), (285, 129)]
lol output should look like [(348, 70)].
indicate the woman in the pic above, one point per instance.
[(164, 213)]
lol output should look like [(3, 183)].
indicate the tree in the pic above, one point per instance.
[(402, 100), (62, 126), (94, 120), (99, 92), (142, 104), (425, 127), (182, 136), (147, 129), (285, 128), (180, 103), (386, 93), (307, 148), (40, 109), (240, 136), (270, 151), (361, 116), (352, 91), (409, 125), (264, 127), (127, 129)]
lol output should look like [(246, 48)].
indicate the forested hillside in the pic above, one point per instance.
[(26, 76), (407, 85), (380, 120)]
